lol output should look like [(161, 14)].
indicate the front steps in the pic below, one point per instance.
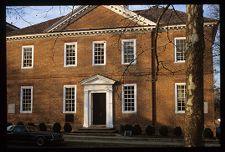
[(96, 131)]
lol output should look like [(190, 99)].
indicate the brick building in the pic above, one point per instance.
[(93, 67)]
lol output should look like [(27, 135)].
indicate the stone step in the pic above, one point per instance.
[(95, 131), (94, 134)]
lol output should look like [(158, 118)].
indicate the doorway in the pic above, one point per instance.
[(99, 108)]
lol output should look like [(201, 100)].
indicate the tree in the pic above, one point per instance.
[(194, 116)]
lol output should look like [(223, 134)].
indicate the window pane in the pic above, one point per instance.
[(99, 53), (128, 51), (69, 99), (26, 99), (180, 49), (128, 96), (27, 57), (181, 98), (70, 54)]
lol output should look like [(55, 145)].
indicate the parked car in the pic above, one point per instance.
[(31, 134)]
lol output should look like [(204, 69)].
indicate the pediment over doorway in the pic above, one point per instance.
[(98, 80)]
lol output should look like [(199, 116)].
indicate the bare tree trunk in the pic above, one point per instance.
[(194, 116)]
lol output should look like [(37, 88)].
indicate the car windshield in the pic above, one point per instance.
[(32, 128)]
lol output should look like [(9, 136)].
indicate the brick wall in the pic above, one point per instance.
[(49, 75)]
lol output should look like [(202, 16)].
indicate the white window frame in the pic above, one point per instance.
[(93, 53), (175, 49), (64, 97), (176, 84), (135, 98), (27, 46), (70, 65), (21, 98), (122, 48)]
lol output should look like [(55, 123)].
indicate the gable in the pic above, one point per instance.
[(98, 80), (97, 17), (100, 17)]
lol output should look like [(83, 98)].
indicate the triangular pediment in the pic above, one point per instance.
[(95, 17), (98, 80)]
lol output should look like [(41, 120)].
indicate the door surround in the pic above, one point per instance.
[(99, 84)]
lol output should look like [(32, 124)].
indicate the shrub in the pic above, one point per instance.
[(67, 127), (42, 127), (207, 133), (122, 129), (9, 124), (128, 127), (136, 129), (163, 130), (177, 131), (30, 124), (20, 123), (56, 127), (150, 130)]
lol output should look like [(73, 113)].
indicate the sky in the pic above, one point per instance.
[(35, 14)]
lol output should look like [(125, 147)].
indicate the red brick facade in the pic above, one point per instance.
[(48, 75)]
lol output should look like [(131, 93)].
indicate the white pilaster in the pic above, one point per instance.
[(109, 108), (86, 107)]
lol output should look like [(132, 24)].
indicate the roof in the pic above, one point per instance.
[(10, 27), (169, 18), (36, 28)]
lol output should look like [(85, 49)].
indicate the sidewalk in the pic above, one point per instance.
[(137, 141)]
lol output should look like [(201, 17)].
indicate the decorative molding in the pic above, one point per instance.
[(130, 15), (99, 32), (98, 80), (72, 16), (82, 10)]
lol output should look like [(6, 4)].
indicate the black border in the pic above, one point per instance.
[(3, 62)]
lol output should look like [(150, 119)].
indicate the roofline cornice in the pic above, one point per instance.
[(99, 32)]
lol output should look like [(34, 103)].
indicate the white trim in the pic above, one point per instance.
[(175, 49), (21, 98), (130, 15), (97, 32), (135, 98), (82, 33), (67, 18), (82, 10), (95, 84), (75, 98), (71, 43), (93, 48), (206, 107), (94, 80), (176, 84), (122, 53), (27, 46)]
